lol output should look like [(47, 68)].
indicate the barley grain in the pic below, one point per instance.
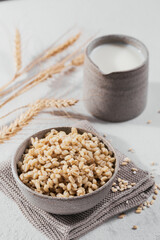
[(124, 163), (134, 227), (154, 197), (149, 122), (138, 211), (131, 150), (126, 159), (121, 216), (158, 187), (133, 184), (156, 192), (65, 164), (151, 202), (134, 169)]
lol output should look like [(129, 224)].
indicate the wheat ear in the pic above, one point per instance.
[(18, 60), (45, 74), (79, 60), (8, 131), (52, 52), (40, 78), (47, 54), (60, 48), (17, 57)]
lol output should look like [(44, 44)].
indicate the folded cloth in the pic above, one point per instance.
[(73, 226)]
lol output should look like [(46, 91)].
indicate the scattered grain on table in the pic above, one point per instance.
[(131, 150), (149, 122), (121, 216), (134, 227)]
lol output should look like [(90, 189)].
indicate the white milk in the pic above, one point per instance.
[(116, 57)]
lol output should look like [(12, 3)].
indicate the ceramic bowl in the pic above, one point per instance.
[(117, 96), (56, 205)]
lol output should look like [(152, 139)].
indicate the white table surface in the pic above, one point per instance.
[(40, 23)]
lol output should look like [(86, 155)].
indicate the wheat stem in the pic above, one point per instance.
[(16, 109), (8, 83)]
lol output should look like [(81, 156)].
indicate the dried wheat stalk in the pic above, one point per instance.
[(8, 83), (60, 48), (44, 75), (40, 78), (18, 60), (79, 60), (8, 131), (51, 70), (49, 53), (35, 60), (52, 52), (14, 110)]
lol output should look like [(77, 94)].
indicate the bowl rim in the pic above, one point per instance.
[(16, 177)]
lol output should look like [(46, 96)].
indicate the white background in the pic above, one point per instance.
[(40, 23)]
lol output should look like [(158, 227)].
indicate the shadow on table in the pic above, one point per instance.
[(72, 115), (150, 113), (152, 108), (64, 85), (122, 146)]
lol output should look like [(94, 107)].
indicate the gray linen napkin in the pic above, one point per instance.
[(73, 226)]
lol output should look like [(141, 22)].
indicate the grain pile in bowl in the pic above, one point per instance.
[(66, 165)]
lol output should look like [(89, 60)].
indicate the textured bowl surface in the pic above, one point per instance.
[(117, 96), (56, 205)]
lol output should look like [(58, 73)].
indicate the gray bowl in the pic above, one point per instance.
[(56, 205)]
